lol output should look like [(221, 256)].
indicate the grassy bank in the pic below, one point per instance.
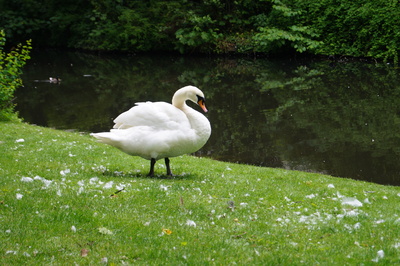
[(66, 199)]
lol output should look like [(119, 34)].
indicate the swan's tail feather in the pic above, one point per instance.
[(106, 138)]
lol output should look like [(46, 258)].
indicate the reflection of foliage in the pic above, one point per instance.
[(303, 115), (341, 115)]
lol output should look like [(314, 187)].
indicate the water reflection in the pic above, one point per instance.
[(340, 119)]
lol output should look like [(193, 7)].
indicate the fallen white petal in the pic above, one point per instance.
[(26, 179), (19, 196), (108, 185), (11, 252), (352, 202), (190, 223), (93, 180), (381, 254), (162, 187), (20, 140), (105, 231), (65, 172), (357, 226)]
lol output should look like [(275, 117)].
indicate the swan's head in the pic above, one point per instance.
[(189, 93)]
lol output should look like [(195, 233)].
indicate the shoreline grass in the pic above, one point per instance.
[(66, 199)]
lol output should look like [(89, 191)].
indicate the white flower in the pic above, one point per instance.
[(19, 196), (310, 196), (331, 186), (73, 228), (20, 140)]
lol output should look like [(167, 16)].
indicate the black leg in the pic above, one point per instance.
[(152, 163), (168, 168)]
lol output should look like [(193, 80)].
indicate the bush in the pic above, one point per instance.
[(358, 28), (10, 70)]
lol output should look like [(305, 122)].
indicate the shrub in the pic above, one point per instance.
[(10, 70)]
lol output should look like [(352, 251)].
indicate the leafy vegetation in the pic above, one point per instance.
[(86, 203), (10, 70), (354, 28)]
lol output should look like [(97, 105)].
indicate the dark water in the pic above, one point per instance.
[(334, 117)]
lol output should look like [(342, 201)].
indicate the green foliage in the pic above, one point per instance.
[(355, 28), (197, 33), (10, 70), (361, 28), (283, 27)]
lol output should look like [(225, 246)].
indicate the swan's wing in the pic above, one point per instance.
[(158, 115)]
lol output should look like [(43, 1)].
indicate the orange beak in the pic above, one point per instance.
[(202, 104)]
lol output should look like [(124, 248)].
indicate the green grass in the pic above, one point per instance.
[(56, 208)]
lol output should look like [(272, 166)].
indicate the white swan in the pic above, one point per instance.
[(161, 130)]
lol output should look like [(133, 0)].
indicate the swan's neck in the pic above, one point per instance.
[(199, 122)]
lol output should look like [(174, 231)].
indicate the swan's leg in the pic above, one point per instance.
[(152, 163), (168, 168)]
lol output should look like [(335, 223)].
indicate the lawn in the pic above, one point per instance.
[(66, 199)]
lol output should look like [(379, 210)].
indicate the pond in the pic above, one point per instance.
[(335, 117)]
